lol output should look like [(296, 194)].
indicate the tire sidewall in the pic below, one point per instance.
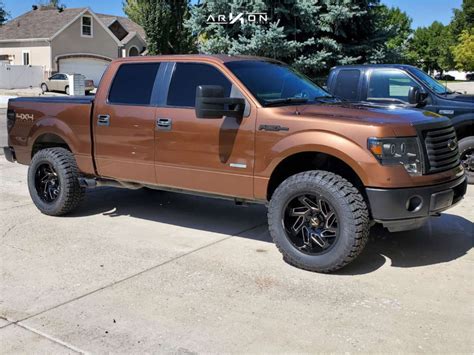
[(44, 88), (464, 144), (340, 205), (42, 157)]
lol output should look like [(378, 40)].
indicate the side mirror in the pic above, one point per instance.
[(211, 103), (415, 96)]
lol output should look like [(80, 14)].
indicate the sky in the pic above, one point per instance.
[(423, 12)]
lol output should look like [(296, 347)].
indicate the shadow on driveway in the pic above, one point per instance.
[(441, 240)]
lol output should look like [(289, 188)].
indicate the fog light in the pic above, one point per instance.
[(414, 204)]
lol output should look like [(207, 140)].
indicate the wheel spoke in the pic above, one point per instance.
[(299, 211), (319, 241), (308, 203), (298, 224)]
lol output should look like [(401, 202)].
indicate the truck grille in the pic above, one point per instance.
[(441, 148)]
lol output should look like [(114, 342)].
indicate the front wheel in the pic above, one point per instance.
[(44, 88), (53, 181), (318, 220), (466, 150)]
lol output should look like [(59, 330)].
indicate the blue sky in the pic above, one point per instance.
[(423, 12)]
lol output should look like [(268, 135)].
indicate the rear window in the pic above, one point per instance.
[(133, 84), (347, 83)]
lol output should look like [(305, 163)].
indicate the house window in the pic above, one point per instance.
[(25, 57), (86, 26)]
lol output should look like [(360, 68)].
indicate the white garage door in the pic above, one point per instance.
[(90, 68)]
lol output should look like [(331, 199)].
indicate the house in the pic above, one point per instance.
[(73, 40)]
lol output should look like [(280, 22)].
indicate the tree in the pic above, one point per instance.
[(163, 22), (3, 13), (56, 4), (312, 35), (464, 51), (397, 26), (428, 47)]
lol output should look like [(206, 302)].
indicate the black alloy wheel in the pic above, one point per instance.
[(311, 224), (47, 183)]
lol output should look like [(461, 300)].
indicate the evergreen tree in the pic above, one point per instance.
[(3, 14), (163, 22), (313, 35)]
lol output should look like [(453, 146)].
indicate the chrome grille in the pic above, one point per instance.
[(441, 148)]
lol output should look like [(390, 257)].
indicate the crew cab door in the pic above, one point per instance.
[(124, 124), (207, 155)]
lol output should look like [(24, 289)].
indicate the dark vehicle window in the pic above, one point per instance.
[(269, 81), (389, 84), (57, 77), (133, 84), (347, 84), (188, 76)]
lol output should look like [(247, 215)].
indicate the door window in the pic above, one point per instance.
[(133, 84), (347, 84), (389, 84), (187, 77)]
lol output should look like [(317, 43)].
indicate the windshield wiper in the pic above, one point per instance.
[(286, 100), (324, 97)]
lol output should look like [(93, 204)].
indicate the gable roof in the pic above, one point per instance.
[(126, 23), (43, 23), (46, 23)]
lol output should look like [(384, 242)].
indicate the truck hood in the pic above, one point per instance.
[(367, 113), (462, 98)]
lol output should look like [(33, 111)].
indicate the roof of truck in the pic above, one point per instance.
[(368, 66), (222, 58)]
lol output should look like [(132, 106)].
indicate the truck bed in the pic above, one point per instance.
[(37, 119)]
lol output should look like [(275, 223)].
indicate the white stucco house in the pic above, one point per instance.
[(73, 40)]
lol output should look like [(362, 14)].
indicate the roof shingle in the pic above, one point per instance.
[(40, 23)]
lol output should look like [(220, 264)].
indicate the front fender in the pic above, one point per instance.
[(348, 151), (463, 122)]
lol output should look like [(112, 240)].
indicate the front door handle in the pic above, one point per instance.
[(103, 120), (163, 124)]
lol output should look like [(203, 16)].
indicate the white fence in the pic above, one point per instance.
[(20, 76)]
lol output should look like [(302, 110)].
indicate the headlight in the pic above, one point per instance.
[(396, 151)]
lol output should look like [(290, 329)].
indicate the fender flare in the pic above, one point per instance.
[(51, 125), (322, 142), (464, 121)]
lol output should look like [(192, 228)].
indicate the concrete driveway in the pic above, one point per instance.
[(144, 271)]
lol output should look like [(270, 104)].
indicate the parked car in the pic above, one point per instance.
[(408, 86), (470, 76), (60, 82), (247, 129), (446, 77)]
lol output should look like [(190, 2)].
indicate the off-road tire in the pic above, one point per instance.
[(71, 193), (465, 144), (349, 205)]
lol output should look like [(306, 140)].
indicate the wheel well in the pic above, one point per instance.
[(300, 162), (48, 140), (465, 130)]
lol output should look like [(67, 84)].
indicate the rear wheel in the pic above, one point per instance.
[(66, 89), (53, 181), (466, 149), (318, 220)]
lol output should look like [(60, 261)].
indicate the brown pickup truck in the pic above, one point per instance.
[(249, 129)]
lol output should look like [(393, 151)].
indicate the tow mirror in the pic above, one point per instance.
[(211, 103), (415, 96)]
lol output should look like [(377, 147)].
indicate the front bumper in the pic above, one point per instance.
[(9, 153), (409, 208)]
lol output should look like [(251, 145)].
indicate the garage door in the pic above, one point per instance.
[(90, 68)]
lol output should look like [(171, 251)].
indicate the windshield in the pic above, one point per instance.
[(276, 84), (430, 82)]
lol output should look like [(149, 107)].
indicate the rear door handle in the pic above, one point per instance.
[(103, 120), (163, 124)]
